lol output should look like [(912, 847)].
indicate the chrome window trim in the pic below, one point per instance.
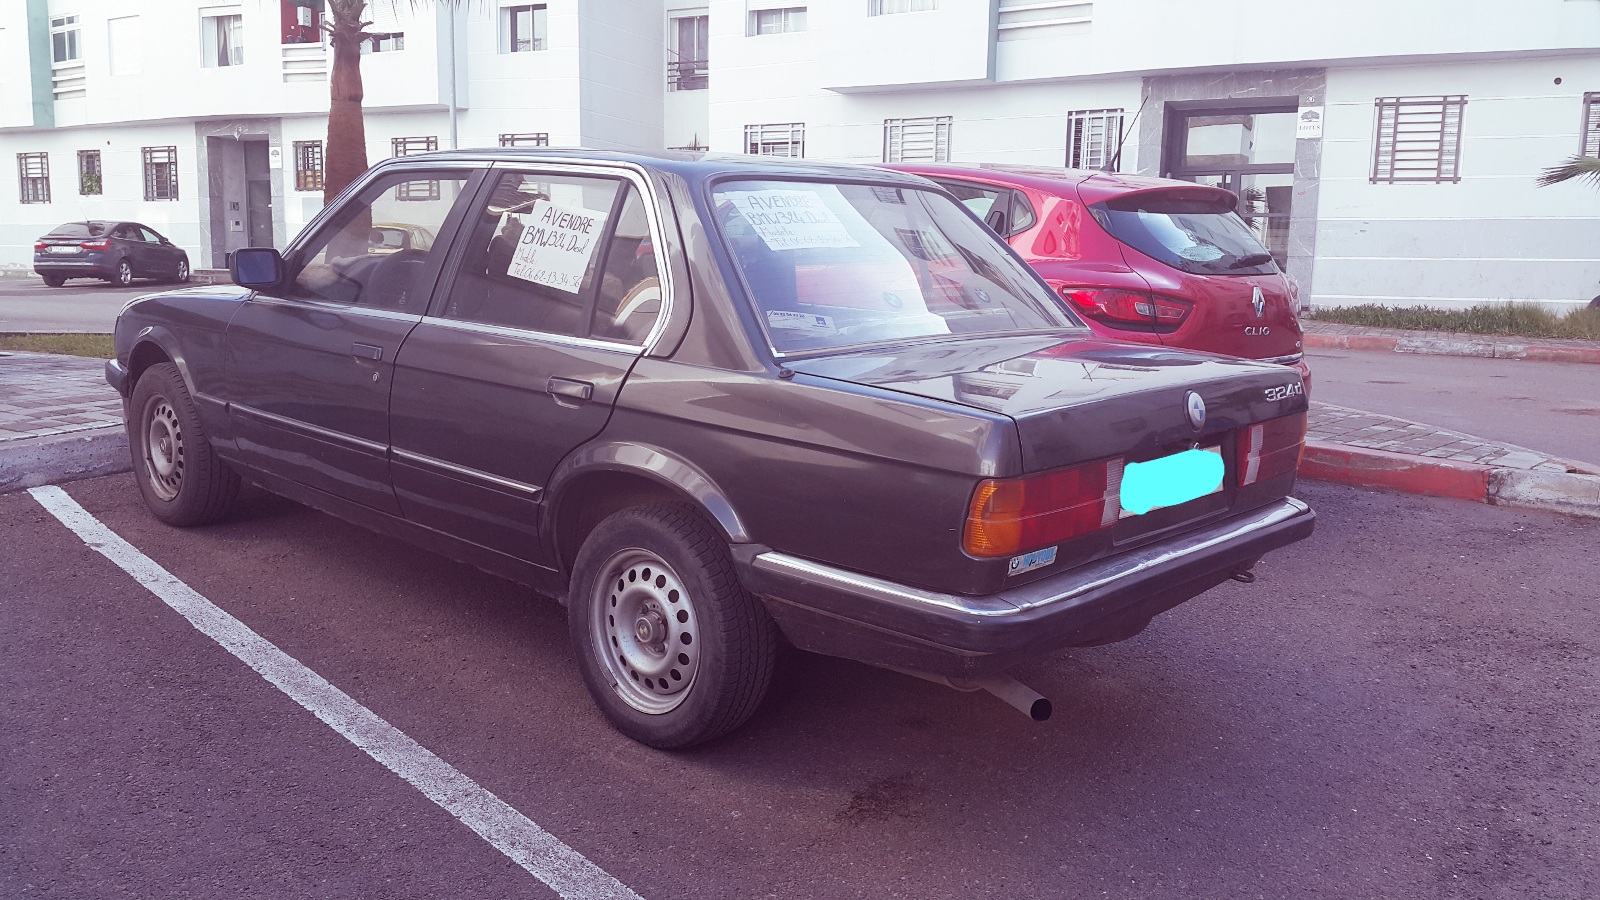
[(524, 334), (308, 233), (352, 307), (464, 472), (337, 437)]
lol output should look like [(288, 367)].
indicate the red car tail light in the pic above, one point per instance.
[(95, 245), (39, 245), (1271, 448), (1010, 515), (1128, 309)]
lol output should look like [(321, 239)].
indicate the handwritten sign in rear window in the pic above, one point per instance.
[(556, 244), (791, 220)]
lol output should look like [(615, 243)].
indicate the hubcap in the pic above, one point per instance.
[(645, 631), (124, 273), (183, 271), (163, 449)]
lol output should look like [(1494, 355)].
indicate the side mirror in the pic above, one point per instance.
[(257, 268)]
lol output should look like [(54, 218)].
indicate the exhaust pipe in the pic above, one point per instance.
[(1017, 695)]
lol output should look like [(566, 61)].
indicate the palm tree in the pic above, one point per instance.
[(1576, 167)]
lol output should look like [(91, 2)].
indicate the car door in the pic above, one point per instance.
[(163, 256), (126, 244), (309, 365), (521, 357)]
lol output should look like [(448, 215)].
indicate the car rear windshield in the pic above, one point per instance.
[(79, 230), (837, 264), (1200, 235)]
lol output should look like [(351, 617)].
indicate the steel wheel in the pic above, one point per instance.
[(124, 274), (646, 630), (163, 448)]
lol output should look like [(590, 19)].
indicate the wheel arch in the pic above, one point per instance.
[(603, 478), (151, 348)]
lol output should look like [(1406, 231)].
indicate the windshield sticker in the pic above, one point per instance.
[(555, 244), (799, 321), (791, 220)]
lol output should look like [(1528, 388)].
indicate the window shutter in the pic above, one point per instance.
[(385, 17), (125, 40)]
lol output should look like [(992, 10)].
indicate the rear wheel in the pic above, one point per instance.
[(672, 648), (55, 280), (182, 480), (123, 275)]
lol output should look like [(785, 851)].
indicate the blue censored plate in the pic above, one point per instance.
[(1170, 480)]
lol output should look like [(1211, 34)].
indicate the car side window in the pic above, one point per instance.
[(125, 232), (377, 250), (1022, 216), (630, 288), (992, 205), (148, 235), (532, 253)]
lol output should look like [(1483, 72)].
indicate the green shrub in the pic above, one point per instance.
[(1519, 319)]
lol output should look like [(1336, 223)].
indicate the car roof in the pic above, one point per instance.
[(692, 165)]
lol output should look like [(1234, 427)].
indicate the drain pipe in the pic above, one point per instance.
[(451, 12), (1017, 695)]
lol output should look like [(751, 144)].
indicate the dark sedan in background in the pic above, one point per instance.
[(117, 252)]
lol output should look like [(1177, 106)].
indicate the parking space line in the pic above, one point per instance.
[(563, 869)]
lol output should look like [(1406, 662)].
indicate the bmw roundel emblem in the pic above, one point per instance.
[(1197, 410)]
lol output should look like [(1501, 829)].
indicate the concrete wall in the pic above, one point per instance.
[(623, 73)]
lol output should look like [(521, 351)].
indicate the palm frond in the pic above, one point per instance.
[(1576, 167)]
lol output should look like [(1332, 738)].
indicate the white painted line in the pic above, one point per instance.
[(564, 869)]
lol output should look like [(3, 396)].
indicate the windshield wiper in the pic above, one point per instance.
[(1254, 259)]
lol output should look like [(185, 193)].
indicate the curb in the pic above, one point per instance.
[(1486, 348), (1567, 492), (31, 462)]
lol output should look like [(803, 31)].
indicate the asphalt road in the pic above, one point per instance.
[(88, 307), (1402, 706), (1546, 406)]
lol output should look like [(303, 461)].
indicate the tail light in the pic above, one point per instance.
[(39, 245), (1271, 448), (95, 245), (1133, 310), (1010, 515)]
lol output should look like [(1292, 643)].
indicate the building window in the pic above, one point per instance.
[(917, 140), (386, 35), (33, 174), (160, 173), (1093, 138), (411, 146), (89, 173), (890, 7), (1591, 124), (1418, 139), (221, 41), (300, 21), (688, 39), (527, 139), (775, 140), (64, 39), (308, 166), (125, 45), (522, 28), (777, 21)]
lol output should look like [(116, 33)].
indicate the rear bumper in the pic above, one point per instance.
[(72, 268), (841, 613)]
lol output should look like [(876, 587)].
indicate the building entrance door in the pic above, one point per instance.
[(257, 194), (1245, 148)]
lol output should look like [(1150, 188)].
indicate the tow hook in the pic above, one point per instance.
[(1244, 577)]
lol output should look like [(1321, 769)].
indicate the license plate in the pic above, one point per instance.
[(1170, 480), (63, 249)]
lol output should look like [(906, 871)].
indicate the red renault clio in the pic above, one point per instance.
[(1141, 259)]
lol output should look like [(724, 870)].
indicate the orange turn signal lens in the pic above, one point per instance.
[(1010, 515)]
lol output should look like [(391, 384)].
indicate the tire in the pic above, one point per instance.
[(179, 474), (54, 280), (123, 276), (182, 274), (671, 646)]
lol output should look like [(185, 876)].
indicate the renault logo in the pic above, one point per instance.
[(1259, 302), (1197, 410)]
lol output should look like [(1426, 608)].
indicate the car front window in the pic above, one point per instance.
[(833, 265)]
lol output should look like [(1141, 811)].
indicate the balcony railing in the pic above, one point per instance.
[(687, 74)]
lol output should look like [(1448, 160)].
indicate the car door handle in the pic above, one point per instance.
[(570, 392), (366, 351)]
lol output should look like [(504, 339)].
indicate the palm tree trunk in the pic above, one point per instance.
[(346, 156)]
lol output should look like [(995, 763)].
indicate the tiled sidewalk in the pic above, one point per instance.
[(1357, 428), (45, 394)]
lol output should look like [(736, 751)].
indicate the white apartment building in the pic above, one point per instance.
[(1392, 146)]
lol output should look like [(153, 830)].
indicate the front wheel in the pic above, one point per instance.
[(182, 480), (671, 646)]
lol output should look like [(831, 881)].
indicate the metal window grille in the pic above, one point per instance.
[(1591, 124), (160, 173), (688, 74), (688, 49), (917, 140), (1418, 139), (1093, 136), (308, 171), (788, 139), (411, 146), (890, 7), (33, 175), (526, 139), (89, 182)]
